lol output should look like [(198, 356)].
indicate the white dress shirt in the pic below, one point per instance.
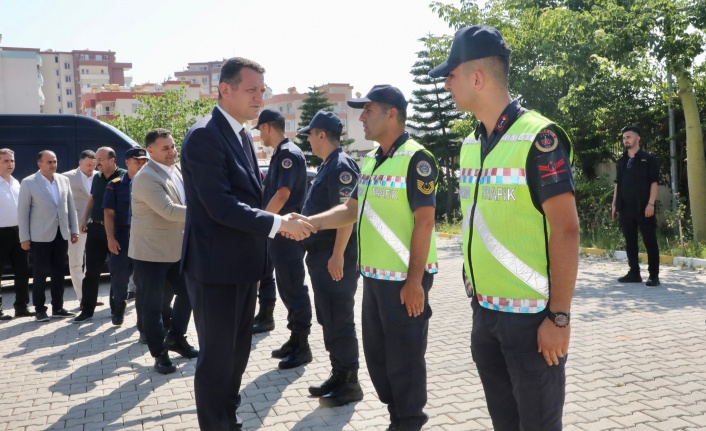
[(171, 171), (235, 124), (86, 181), (9, 194), (53, 187)]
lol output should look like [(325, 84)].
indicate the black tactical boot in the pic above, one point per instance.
[(119, 312), (264, 321), (335, 379), (287, 347), (347, 391), (299, 356)]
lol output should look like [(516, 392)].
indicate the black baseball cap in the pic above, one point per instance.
[(382, 94), (631, 129), (326, 120), (136, 153), (268, 115), (472, 43)]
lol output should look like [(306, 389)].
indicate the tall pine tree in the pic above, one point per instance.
[(434, 111), (315, 102)]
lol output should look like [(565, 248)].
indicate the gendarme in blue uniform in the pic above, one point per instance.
[(287, 169), (117, 197)]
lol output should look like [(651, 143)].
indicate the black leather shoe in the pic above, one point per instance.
[(24, 312), (5, 316), (179, 345), (336, 378), (630, 277), (287, 347), (163, 365), (62, 313), (119, 313), (300, 356), (41, 316), (347, 390), (652, 282), (83, 317)]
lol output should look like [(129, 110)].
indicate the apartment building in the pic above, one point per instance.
[(20, 81), (206, 75)]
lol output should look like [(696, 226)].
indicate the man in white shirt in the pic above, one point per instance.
[(47, 220), (80, 179), (10, 249)]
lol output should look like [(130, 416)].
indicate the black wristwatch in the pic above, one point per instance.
[(560, 320)]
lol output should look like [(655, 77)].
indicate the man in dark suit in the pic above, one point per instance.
[(225, 240)]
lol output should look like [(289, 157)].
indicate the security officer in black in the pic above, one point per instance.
[(92, 224), (331, 258), (116, 213), (284, 191)]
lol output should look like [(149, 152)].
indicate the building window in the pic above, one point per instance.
[(68, 92), (58, 85), (193, 81), (134, 107), (67, 65), (85, 57), (61, 111), (107, 110), (69, 104), (102, 71), (67, 78), (99, 57), (57, 72), (289, 126), (204, 80), (56, 59), (58, 98)]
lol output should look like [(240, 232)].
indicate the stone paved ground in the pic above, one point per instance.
[(637, 361)]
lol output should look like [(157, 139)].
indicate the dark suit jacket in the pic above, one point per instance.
[(225, 238)]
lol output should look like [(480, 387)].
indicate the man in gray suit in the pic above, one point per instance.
[(80, 179), (47, 220), (156, 235)]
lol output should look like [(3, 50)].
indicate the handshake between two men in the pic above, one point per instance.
[(296, 227)]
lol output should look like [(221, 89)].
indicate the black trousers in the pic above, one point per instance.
[(521, 390), (267, 292), (394, 345), (167, 299), (223, 314), (334, 302), (648, 228), (96, 253), (120, 266), (11, 251), (288, 259), (48, 259), (150, 278)]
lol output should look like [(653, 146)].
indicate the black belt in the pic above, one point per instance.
[(10, 228), (91, 221), (319, 245)]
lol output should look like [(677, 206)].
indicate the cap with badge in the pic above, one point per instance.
[(136, 153), (472, 43), (267, 116), (324, 120), (631, 129), (381, 94)]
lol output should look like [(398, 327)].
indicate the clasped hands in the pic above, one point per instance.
[(296, 226)]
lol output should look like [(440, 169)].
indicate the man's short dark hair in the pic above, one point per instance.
[(41, 154), (111, 152), (277, 125), (497, 66), (333, 137), (86, 154), (155, 134), (230, 71), (401, 113)]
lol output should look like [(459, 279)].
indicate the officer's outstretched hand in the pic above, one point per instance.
[(553, 342), (296, 228), (335, 267), (412, 296)]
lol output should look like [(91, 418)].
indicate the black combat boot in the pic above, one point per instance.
[(287, 347), (264, 321), (335, 379), (347, 391), (119, 312), (299, 356)]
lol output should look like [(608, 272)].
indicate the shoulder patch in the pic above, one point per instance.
[(116, 180), (424, 168), (424, 187), (287, 163), (546, 141), (553, 168), (344, 193), (345, 177)]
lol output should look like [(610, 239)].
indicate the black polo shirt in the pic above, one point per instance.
[(548, 166), (421, 175), (287, 169), (98, 191)]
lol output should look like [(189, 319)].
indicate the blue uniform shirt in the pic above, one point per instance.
[(117, 197), (287, 169), (333, 185)]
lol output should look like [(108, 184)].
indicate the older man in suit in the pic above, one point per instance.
[(47, 220), (80, 179), (225, 242), (157, 231)]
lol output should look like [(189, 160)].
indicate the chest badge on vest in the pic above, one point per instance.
[(546, 141), (426, 188)]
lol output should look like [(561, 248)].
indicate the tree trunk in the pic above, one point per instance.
[(696, 162), (450, 195)]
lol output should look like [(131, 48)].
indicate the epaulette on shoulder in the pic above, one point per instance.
[(116, 180)]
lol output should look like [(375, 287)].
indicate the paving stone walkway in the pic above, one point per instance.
[(637, 361)]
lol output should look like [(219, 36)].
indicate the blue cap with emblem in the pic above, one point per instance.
[(382, 94), (324, 120), (136, 153), (472, 43), (266, 116)]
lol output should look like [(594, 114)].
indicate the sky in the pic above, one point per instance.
[(299, 43)]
